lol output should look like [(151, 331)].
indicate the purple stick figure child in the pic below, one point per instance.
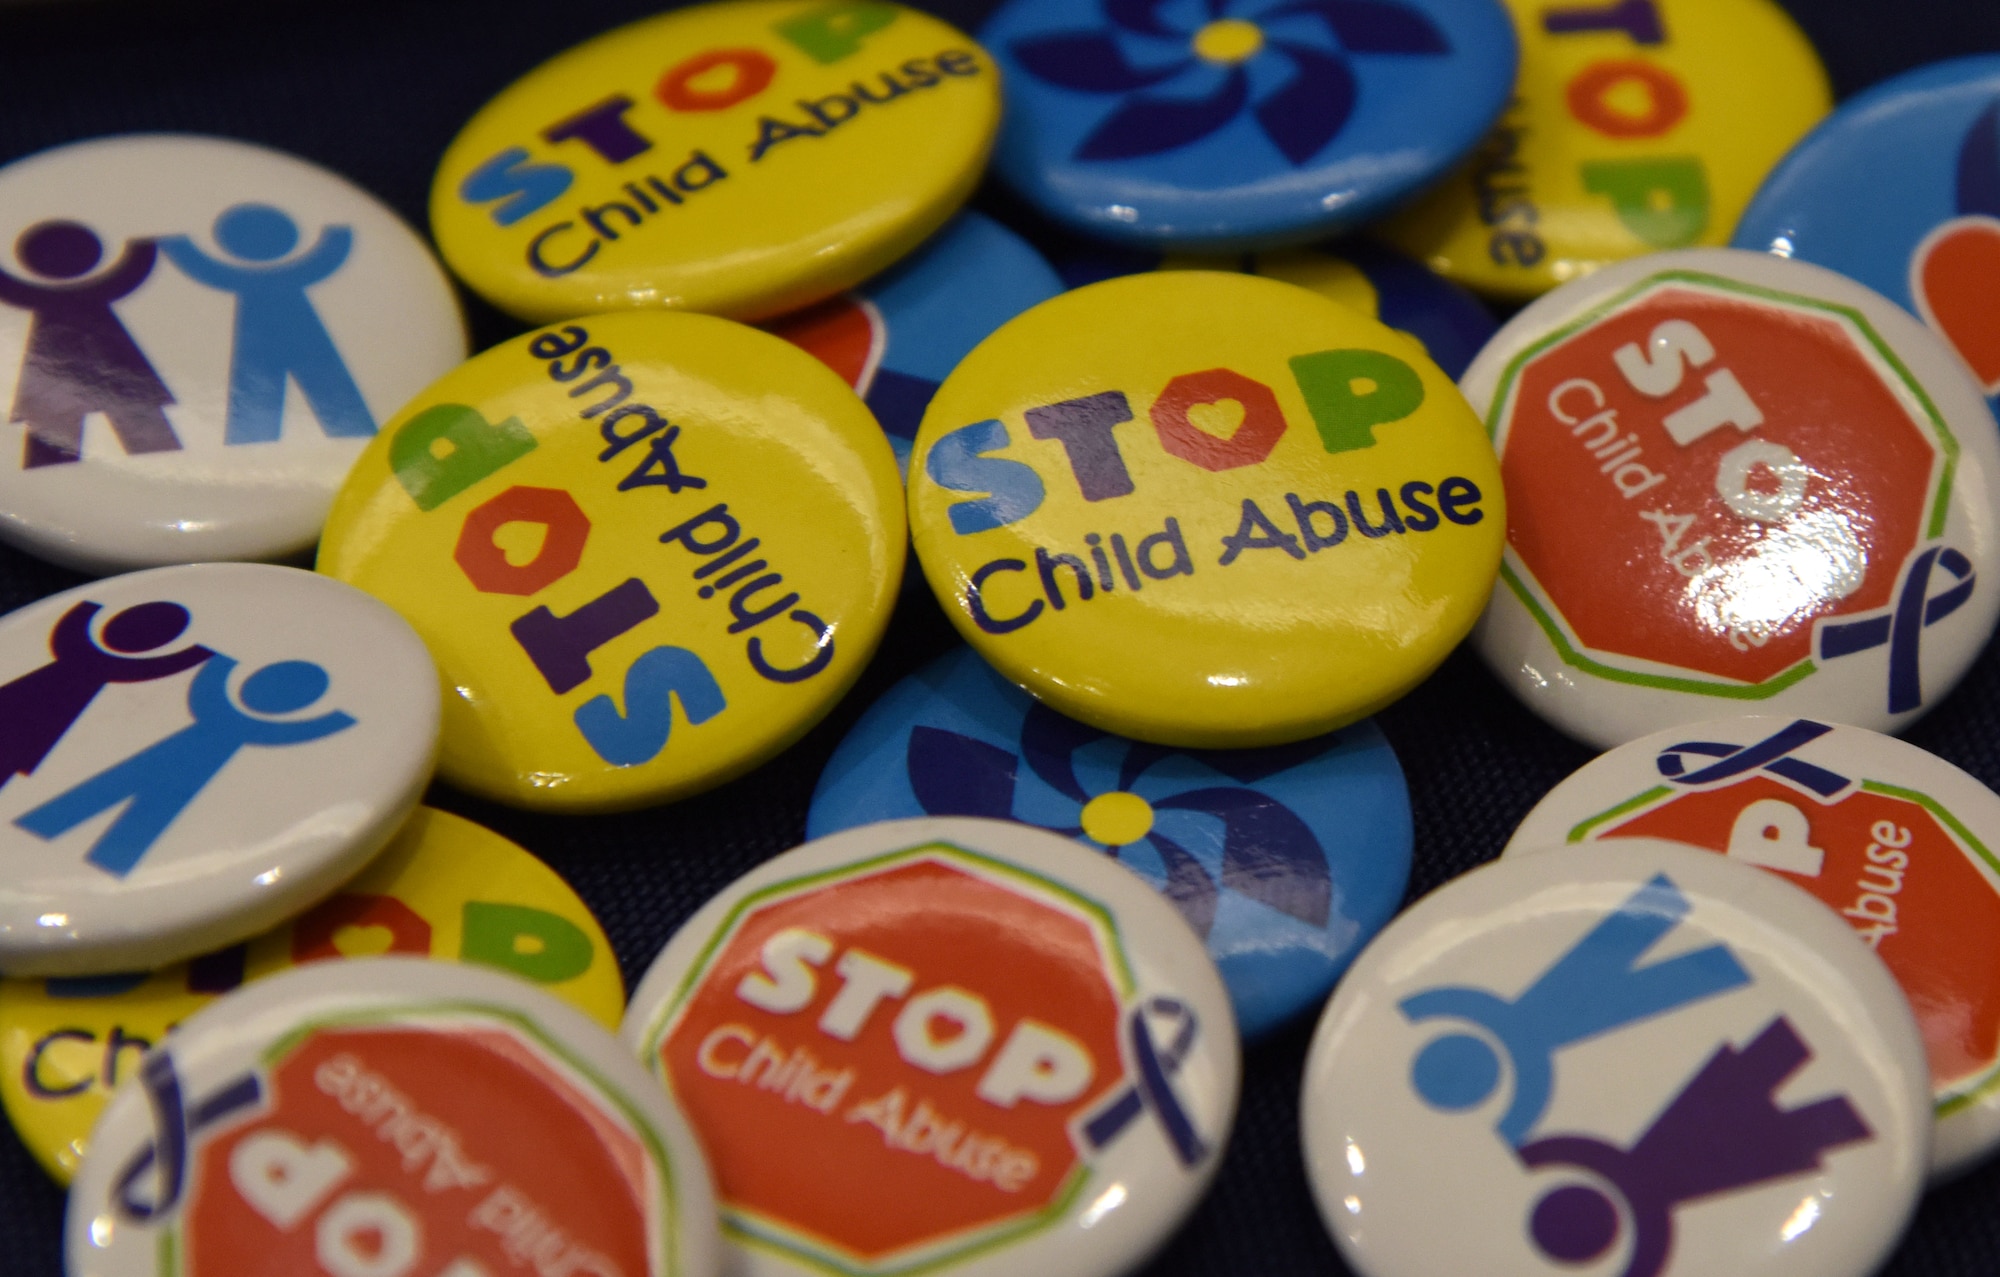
[(1726, 1130), (80, 359), (156, 784), (37, 708)]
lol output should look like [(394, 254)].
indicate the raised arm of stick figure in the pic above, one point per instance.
[(134, 264), (199, 266), (281, 688), (323, 258), (18, 292)]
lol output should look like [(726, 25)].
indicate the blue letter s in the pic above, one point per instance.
[(956, 462)]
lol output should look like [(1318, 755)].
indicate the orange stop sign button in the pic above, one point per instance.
[(912, 1057), (931, 1033), (1722, 490)]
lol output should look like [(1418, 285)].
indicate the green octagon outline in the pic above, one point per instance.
[(1966, 1094), (753, 1230), (1572, 653)]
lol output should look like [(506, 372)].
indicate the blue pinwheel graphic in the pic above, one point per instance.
[(1288, 61), (1113, 791)]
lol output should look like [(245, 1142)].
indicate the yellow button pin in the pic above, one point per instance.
[(444, 888), (742, 158), (648, 551), (1635, 127), (1206, 509)]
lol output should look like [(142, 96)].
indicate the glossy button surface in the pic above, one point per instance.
[(1634, 127), (1205, 509), (1900, 189), (1285, 861), (742, 158), (189, 754), (959, 1044), (1898, 841), (897, 336), (1734, 481), (385, 1115), (1451, 323), (647, 550), (444, 888), (1240, 122), (190, 373), (1641, 1060)]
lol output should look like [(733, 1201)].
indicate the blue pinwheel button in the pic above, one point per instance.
[(1284, 860), (1240, 123), (1636, 1058), (894, 338), (191, 754), (1900, 189)]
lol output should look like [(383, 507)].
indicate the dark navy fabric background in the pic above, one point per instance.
[(375, 89)]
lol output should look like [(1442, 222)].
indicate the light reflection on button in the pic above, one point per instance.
[(1802, 1219), (1107, 1201)]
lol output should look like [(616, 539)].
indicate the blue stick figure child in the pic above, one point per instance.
[(162, 779), (278, 333), (1596, 987)]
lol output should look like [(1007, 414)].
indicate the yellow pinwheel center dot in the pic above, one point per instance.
[(1117, 818), (1229, 40)]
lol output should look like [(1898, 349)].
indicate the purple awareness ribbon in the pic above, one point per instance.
[(1772, 754), (1154, 1089), (1901, 626), (173, 1122)]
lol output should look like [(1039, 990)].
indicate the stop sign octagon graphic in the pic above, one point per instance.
[(1733, 479), (943, 1048)]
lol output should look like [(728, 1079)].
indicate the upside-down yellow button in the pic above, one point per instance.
[(647, 550), (1635, 127), (742, 158), (1206, 509)]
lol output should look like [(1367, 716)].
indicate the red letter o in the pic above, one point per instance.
[(485, 564), (752, 72), (315, 932), (1262, 425), (1667, 100)]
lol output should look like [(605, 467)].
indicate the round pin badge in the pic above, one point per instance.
[(1900, 189), (189, 754), (1734, 481), (960, 1045), (742, 158), (1206, 509), (1898, 841), (444, 888), (647, 550), (389, 1116), (1642, 1060), (1284, 861), (191, 374), (1634, 128), (897, 337), (1451, 323), (1243, 123)]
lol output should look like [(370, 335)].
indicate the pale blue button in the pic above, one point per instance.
[(1900, 189)]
